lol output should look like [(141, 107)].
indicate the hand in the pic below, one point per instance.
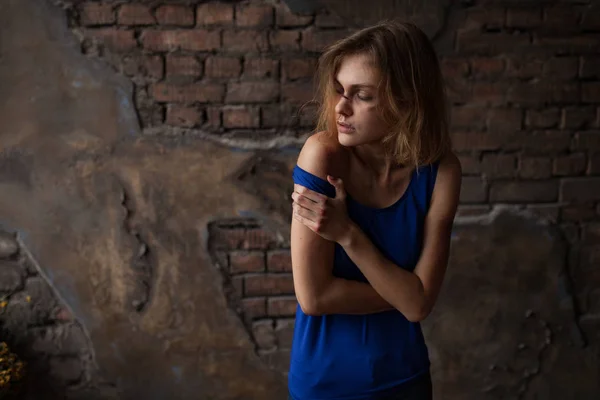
[(323, 215)]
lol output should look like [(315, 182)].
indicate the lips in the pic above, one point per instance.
[(344, 125)]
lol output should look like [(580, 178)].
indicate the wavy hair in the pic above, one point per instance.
[(411, 88)]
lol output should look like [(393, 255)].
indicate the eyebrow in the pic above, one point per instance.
[(357, 85)]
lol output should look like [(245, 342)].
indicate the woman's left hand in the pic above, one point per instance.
[(323, 215)]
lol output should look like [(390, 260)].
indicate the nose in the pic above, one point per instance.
[(343, 106)]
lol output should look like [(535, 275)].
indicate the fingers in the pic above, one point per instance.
[(306, 207), (310, 194)]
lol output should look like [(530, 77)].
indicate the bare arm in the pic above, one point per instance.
[(414, 293), (317, 290)]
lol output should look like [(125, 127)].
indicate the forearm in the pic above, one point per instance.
[(400, 288), (343, 296)]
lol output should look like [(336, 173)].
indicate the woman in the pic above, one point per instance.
[(376, 192)]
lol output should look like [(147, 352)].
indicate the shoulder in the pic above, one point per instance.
[(446, 192), (322, 155)]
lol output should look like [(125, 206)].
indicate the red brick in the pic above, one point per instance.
[(97, 14), (504, 121), (257, 238), (223, 67), (454, 67), (191, 40), (524, 17), (223, 237), (490, 43), (254, 16), (279, 261), (135, 14), (176, 15), (214, 13), (580, 189), (571, 164), (253, 308), (237, 282), (544, 118), (297, 68), (287, 19), (318, 40), (242, 262), (245, 41), (284, 331), (561, 68), (486, 67), (591, 18), (524, 191), (499, 165), (473, 190), (241, 117), (543, 142), (252, 92), (560, 18), (185, 117), (213, 117), (590, 67), (535, 167), (468, 117), (566, 44), (488, 17), (475, 141), (578, 213), (594, 167), (283, 41), (578, 117), (261, 68), (277, 115), (523, 67), (268, 284), (144, 65), (113, 39), (183, 66), (196, 92), (264, 334), (547, 91), (328, 20), (470, 164), (587, 140), (489, 92), (297, 92), (590, 92), (281, 306)]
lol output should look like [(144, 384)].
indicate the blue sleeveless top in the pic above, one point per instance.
[(352, 357)]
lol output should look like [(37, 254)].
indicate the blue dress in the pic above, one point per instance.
[(352, 357)]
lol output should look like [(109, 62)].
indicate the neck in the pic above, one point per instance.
[(373, 158)]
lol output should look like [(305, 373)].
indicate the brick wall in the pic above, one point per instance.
[(257, 272), (524, 87)]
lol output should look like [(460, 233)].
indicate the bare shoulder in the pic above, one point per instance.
[(446, 192), (322, 155)]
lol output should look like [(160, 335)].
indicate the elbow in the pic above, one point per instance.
[(418, 314), (311, 307)]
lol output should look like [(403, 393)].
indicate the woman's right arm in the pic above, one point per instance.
[(317, 290)]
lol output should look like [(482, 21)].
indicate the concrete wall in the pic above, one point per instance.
[(145, 177)]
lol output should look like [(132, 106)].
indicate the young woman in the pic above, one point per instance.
[(376, 192)]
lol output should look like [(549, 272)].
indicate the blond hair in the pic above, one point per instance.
[(411, 87)]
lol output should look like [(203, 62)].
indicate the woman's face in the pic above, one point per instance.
[(358, 118)]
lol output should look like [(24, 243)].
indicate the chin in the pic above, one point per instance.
[(349, 140)]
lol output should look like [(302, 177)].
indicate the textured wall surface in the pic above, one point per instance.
[(146, 150)]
